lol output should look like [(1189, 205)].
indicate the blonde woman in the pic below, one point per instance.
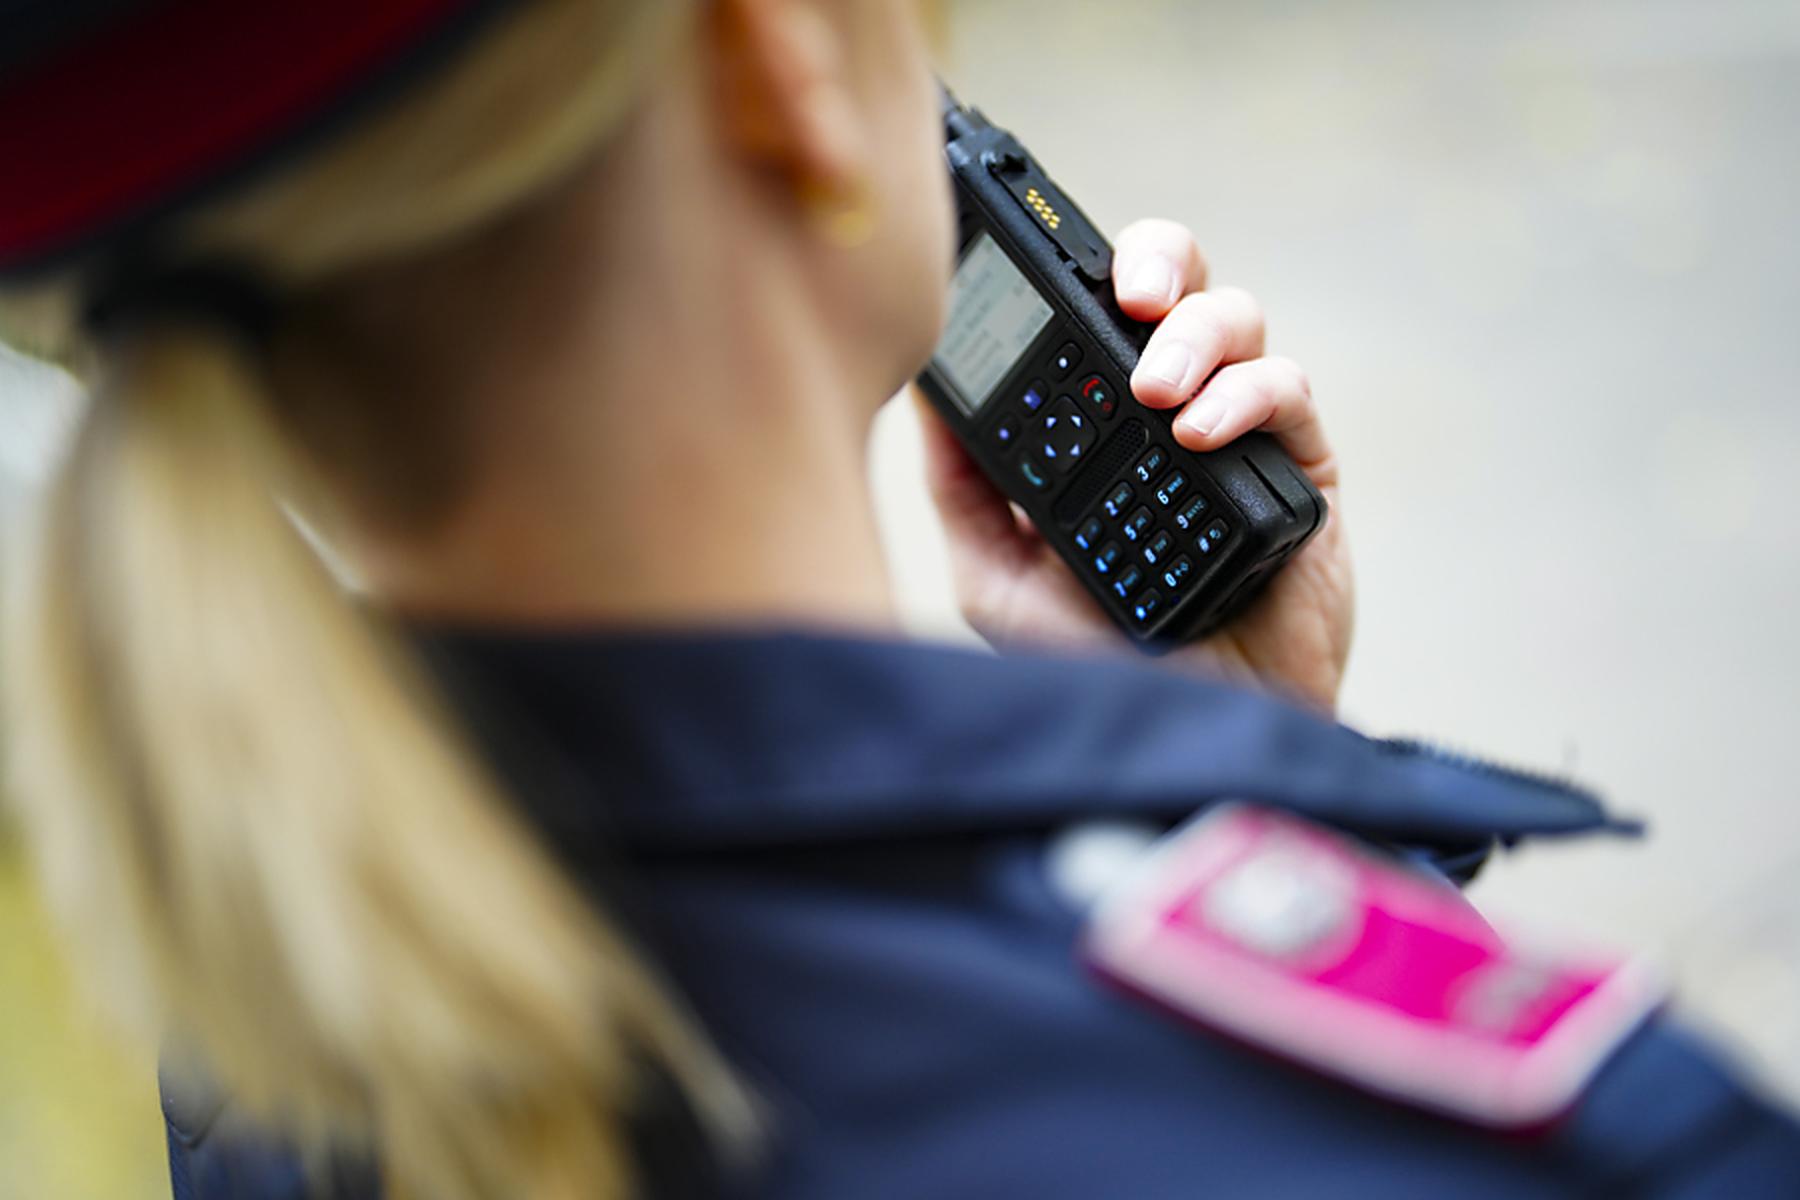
[(582, 827)]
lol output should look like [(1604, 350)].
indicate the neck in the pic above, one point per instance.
[(628, 517), (688, 450)]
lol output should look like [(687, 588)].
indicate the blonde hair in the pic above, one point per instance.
[(251, 812)]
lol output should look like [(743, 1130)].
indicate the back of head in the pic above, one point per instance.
[(254, 817)]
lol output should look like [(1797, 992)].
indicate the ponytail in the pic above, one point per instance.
[(254, 816)]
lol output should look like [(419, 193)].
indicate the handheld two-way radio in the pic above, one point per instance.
[(1032, 373)]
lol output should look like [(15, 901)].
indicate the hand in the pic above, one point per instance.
[(1206, 358)]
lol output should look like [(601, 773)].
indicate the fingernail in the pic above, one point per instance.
[(1169, 363), (1154, 279), (1202, 418)]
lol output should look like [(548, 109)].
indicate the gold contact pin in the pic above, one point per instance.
[(1042, 207)]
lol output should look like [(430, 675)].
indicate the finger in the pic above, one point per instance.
[(1270, 394), (1156, 263), (978, 519), (1204, 330)]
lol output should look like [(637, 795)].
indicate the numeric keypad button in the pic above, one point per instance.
[(1146, 606), (1127, 581), (1149, 466), (1172, 488), (1108, 558), (1188, 519)]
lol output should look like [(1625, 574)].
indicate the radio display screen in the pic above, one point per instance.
[(995, 315)]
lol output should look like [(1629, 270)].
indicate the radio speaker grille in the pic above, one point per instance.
[(1106, 465)]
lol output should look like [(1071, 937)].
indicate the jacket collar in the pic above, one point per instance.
[(691, 742)]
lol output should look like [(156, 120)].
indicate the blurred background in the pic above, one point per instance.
[(1540, 258)]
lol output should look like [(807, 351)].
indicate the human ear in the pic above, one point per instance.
[(784, 96)]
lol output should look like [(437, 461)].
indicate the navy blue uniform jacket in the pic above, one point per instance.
[(836, 849)]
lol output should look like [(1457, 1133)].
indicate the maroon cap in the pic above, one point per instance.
[(127, 116)]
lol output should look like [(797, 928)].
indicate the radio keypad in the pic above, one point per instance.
[(1164, 531), (1170, 571)]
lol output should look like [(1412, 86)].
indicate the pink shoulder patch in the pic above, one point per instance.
[(1295, 939)]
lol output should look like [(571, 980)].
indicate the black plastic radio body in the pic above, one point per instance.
[(1033, 373)]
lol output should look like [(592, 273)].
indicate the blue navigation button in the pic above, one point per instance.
[(1064, 434)]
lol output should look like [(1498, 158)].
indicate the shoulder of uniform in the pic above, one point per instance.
[(1310, 945)]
